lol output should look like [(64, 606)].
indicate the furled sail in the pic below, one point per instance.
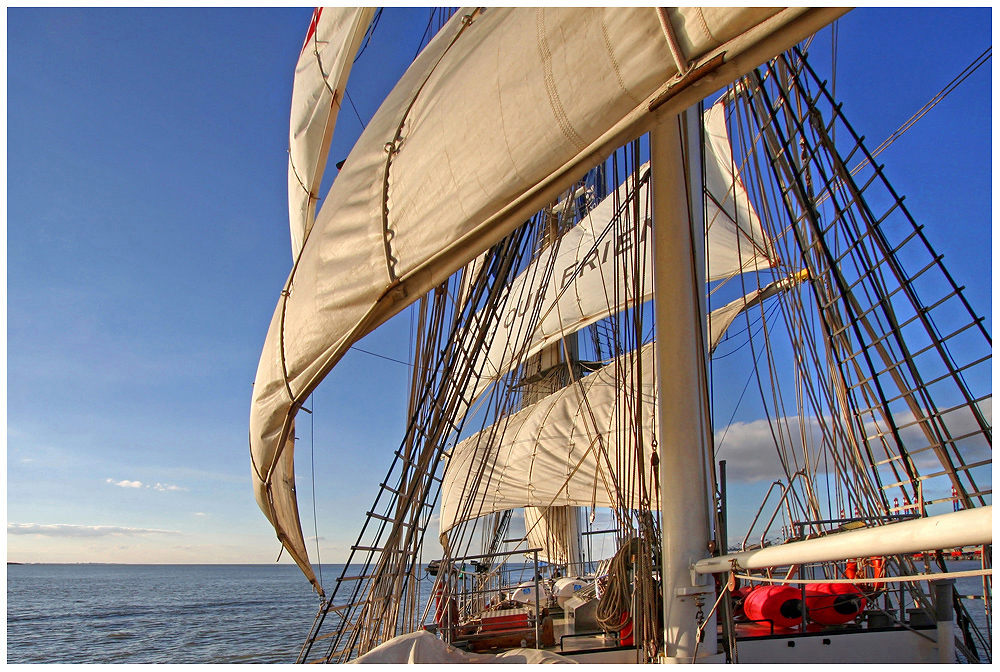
[(563, 450), (451, 163), (555, 530), (334, 37)]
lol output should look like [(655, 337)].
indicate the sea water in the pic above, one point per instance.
[(158, 613), (183, 613)]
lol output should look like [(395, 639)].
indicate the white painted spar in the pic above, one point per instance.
[(971, 527)]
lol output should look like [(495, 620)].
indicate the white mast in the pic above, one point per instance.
[(685, 439), (556, 529)]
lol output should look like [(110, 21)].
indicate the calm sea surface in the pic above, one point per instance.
[(158, 613), (179, 613)]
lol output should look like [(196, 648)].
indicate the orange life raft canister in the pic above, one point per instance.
[(827, 604), (833, 603), (782, 605)]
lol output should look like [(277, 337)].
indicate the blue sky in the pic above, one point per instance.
[(147, 242)]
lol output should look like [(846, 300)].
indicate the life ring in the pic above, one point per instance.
[(443, 604)]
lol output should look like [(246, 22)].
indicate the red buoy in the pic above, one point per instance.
[(834, 603), (782, 605)]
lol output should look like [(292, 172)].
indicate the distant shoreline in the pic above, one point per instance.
[(170, 564)]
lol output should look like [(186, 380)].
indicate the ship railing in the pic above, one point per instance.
[(468, 586), (783, 499)]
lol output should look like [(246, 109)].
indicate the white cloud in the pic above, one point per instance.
[(81, 530), (160, 487), (751, 456), (125, 484), (749, 452), (200, 513), (164, 487)]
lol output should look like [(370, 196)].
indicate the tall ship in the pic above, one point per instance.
[(613, 226)]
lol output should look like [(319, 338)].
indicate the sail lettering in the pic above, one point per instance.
[(520, 308), (621, 244)]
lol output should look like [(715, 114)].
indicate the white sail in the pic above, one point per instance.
[(735, 240), (561, 451), (452, 162), (334, 37), (549, 455), (588, 282), (720, 319), (555, 530)]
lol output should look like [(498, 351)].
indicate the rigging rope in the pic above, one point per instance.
[(368, 34), (951, 86), (347, 94), (617, 597), (375, 354), (312, 469)]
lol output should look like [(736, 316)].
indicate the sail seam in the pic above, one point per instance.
[(392, 147), (555, 104), (614, 60)]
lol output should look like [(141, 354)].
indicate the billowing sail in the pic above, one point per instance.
[(563, 450), (321, 73), (720, 319), (452, 162), (588, 279), (736, 241)]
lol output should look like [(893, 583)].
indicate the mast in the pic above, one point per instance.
[(555, 528), (685, 438)]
